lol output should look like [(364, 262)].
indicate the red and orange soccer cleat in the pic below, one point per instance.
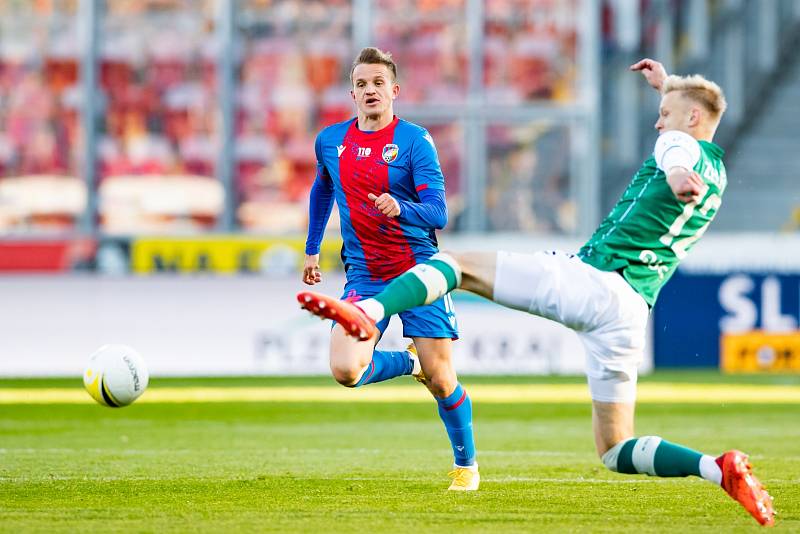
[(741, 484), (354, 321)]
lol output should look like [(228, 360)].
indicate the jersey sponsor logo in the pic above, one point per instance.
[(339, 150), (390, 152), (364, 152)]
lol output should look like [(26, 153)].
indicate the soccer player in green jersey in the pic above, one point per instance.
[(606, 290)]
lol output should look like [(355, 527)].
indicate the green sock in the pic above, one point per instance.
[(654, 456), (422, 284)]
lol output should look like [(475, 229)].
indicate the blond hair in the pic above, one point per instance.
[(374, 56), (700, 90)]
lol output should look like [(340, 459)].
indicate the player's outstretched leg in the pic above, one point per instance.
[(422, 284), (652, 455)]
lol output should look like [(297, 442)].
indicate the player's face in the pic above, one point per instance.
[(374, 89), (676, 113)]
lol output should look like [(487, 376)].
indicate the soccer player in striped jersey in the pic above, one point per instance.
[(605, 291), (385, 177)]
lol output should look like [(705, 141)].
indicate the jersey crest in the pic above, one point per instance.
[(390, 152)]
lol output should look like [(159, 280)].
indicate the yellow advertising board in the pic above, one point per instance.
[(757, 351), (228, 255)]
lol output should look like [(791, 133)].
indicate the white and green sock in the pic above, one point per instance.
[(422, 284), (654, 456)]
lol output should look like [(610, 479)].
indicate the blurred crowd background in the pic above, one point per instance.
[(201, 114)]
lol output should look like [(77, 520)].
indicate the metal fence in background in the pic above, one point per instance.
[(176, 116), (191, 117)]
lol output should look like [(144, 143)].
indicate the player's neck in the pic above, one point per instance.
[(373, 123), (703, 134), (708, 136)]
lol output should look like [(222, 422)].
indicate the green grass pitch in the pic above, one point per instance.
[(272, 466)]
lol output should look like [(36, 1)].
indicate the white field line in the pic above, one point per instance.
[(482, 393), (336, 451), (635, 479), (161, 453)]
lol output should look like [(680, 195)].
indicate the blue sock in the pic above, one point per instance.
[(385, 365), (456, 413)]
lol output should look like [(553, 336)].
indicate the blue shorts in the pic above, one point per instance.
[(435, 320)]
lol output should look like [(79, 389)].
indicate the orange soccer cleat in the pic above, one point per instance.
[(354, 321), (741, 484)]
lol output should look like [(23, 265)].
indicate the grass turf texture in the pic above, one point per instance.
[(373, 466)]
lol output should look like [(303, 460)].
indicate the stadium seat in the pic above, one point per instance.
[(159, 203), (41, 202)]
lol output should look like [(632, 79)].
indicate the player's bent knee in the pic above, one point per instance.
[(347, 375), (441, 385)]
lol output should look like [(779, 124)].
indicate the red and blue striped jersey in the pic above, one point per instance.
[(399, 159)]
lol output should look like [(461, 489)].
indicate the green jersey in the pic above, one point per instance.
[(650, 231)]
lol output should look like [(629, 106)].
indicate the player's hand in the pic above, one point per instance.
[(653, 72), (686, 185), (386, 203), (311, 274)]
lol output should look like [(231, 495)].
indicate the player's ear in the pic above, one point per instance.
[(694, 116), (395, 90)]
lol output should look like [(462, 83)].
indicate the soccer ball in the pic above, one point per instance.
[(116, 375)]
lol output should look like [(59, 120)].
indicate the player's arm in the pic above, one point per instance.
[(429, 212), (676, 153), (319, 211), (653, 71)]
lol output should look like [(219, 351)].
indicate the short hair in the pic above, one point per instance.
[(700, 90), (374, 56)]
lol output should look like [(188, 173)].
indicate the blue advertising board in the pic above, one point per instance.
[(695, 308)]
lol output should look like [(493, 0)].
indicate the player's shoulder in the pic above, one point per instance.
[(712, 150), (336, 130), (674, 147), (412, 132), (676, 138), (410, 128)]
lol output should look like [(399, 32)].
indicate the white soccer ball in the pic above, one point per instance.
[(116, 375)]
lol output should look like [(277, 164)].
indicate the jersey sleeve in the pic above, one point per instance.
[(320, 203), (425, 167), (676, 149), (429, 212)]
